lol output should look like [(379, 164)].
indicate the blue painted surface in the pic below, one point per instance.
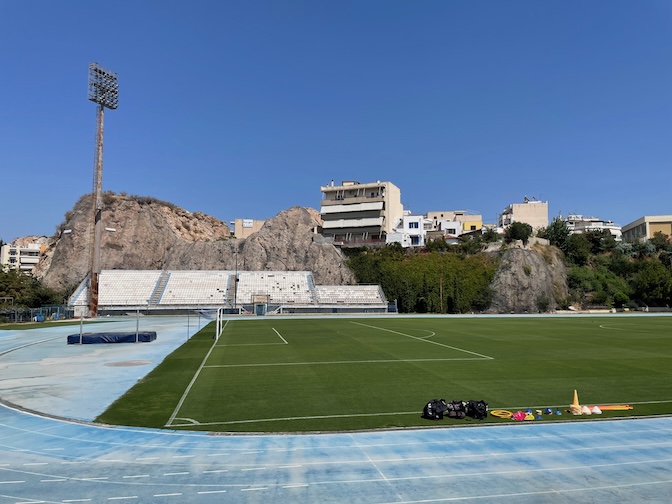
[(49, 460)]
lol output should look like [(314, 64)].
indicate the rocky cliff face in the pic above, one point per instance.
[(529, 280), (150, 234)]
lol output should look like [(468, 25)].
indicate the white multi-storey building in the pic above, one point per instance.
[(360, 213), (581, 224), (22, 257)]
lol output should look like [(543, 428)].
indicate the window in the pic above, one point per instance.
[(473, 228), (415, 240), (413, 225)]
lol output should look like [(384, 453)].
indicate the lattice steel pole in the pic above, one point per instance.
[(103, 90)]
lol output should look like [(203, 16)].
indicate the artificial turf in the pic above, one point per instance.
[(334, 374)]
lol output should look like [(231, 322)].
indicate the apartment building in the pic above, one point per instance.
[(242, 228), (645, 227), (22, 257), (532, 212), (577, 223), (355, 212)]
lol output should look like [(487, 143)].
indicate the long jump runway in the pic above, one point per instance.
[(50, 460)]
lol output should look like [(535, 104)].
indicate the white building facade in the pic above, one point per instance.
[(21, 257), (577, 223), (355, 213)]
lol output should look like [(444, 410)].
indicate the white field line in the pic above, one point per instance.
[(331, 363), (193, 380), (425, 341), (319, 417), (280, 336), (252, 344)]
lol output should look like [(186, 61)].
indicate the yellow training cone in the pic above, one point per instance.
[(576, 399)]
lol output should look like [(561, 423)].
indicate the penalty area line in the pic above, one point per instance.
[(331, 363), (425, 340), (280, 335)]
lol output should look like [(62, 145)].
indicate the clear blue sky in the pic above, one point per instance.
[(244, 109)]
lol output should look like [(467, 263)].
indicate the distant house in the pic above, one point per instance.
[(581, 224), (410, 231), (645, 227), (469, 221), (242, 228), (532, 212)]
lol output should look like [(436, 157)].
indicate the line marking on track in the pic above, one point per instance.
[(280, 335), (193, 380), (425, 341)]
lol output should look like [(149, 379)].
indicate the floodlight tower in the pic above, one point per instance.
[(103, 90)]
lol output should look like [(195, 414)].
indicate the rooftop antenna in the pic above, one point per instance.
[(104, 91)]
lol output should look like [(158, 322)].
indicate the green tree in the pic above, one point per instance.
[(556, 233), (490, 236), (578, 249), (653, 283), (518, 231)]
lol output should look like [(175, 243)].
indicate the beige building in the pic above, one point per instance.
[(532, 212), (469, 221), (22, 257), (645, 227), (242, 228), (360, 213)]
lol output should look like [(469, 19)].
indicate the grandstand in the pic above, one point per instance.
[(245, 292)]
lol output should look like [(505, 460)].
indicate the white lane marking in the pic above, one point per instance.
[(211, 492), (215, 471), (298, 485), (254, 489), (76, 500), (136, 476), (55, 480), (35, 463), (123, 497), (10, 482), (184, 456), (176, 473), (146, 458), (168, 495), (99, 478), (253, 469)]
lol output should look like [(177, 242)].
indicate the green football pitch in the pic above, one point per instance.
[(335, 374)]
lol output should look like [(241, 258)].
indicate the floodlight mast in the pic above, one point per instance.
[(103, 90)]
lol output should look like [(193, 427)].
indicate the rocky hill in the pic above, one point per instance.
[(152, 234), (529, 280)]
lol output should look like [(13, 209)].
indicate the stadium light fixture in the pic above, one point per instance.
[(103, 90)]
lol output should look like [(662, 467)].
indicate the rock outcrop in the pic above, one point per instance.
[(529, 280), (151, 234)]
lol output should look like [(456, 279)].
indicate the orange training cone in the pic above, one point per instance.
[(575, 408)]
